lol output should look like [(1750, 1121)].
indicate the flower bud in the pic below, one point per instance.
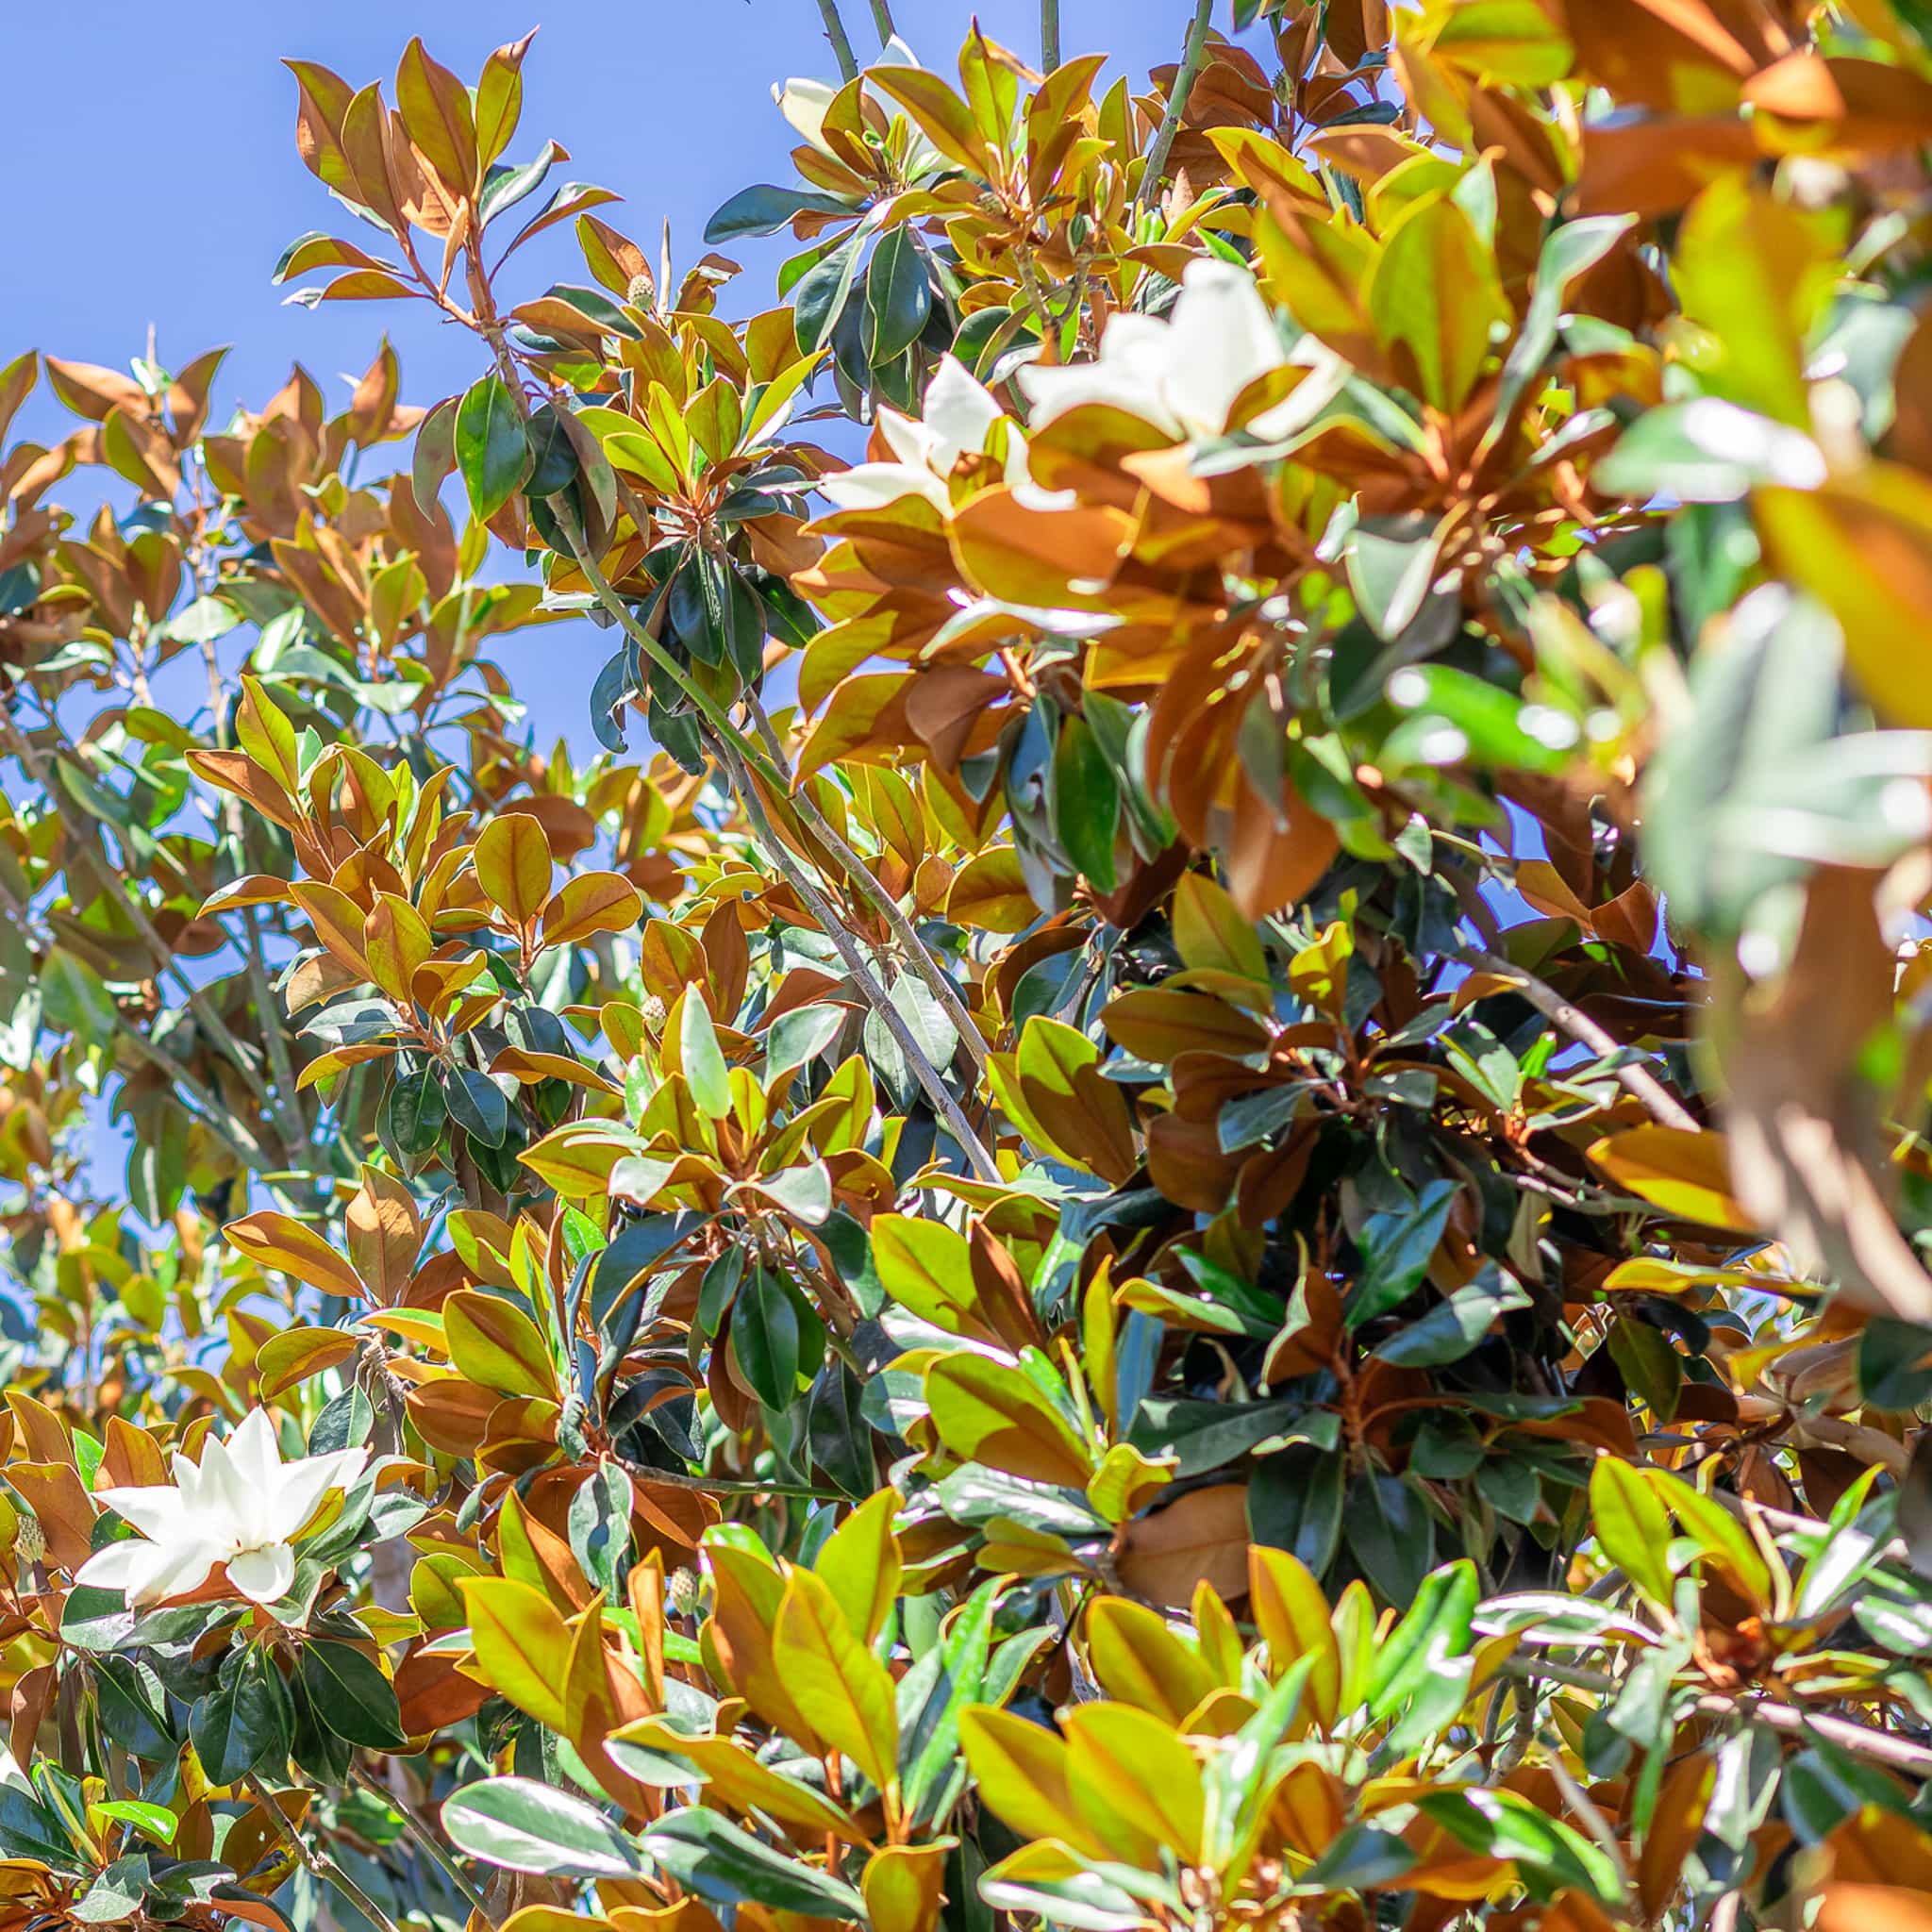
[(29, 1541)]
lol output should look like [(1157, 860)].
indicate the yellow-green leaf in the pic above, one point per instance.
[(843, 1689), (494, 1345), (1681, 1172)]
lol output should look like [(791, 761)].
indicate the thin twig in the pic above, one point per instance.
[(1664, 1105), (726, 1485), (835, 32), (1192, 54), (318, 1861), (737, 755), (708, 708), (876, 995), (425, 1835), (1892, 1551), (1863, 1740), (1049, 35), (882, 20), (938, 981), (260, 990)]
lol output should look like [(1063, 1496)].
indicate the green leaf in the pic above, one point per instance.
[(762, 209), (1567, 252), (477, 1105), (898, 296), (1362, 1858), (133, 1708), (245, 1720), (159, 1823), (1457, 719), (1751, 788), (929, 1736), (819, 298), (800, 1035), (1632, 1526), (74, 999), (709, 1854), (1708, 450), (700, 1058), (1396, 1245), (413, 1115), (1390, 1533), (1391, 561), (1435, 291), (804, 1193), (1204, 1435), (117, 1894), (1434, 1629), (599, 1524), (1449, 1331), (1086, 802), (352, 1696), (1294, 1504), (491, 450), (1548, 1854), (765, 1338), (526, 1826), (29, 1830)]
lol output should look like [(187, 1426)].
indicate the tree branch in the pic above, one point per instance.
[(877, 997), (318, 1861), (835, 32), (855, 868), (1863, 1740), (1664, 1105), (1192, 53), (737, 755), (427, 1836)]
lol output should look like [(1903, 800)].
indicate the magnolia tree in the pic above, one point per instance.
[(1188, 1187)]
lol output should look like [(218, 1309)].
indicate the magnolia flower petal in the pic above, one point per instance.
[(912, 441), (1127, 377), (1326, 377), (871, 486), (264, 1575), (227, 1506), (149, 1573), (254, 1450), (804, 104), (156, 1509), (302, 1485), (1221, 337), (960, 411)]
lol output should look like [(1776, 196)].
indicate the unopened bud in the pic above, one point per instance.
[(29, 1543)]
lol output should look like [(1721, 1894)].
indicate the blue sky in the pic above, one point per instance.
[(152, 159)]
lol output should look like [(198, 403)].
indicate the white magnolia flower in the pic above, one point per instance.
[(1182, 371), (806, 104), (958, 419), (239, 1510)]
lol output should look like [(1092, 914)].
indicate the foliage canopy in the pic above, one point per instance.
[(1189, 1188)]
